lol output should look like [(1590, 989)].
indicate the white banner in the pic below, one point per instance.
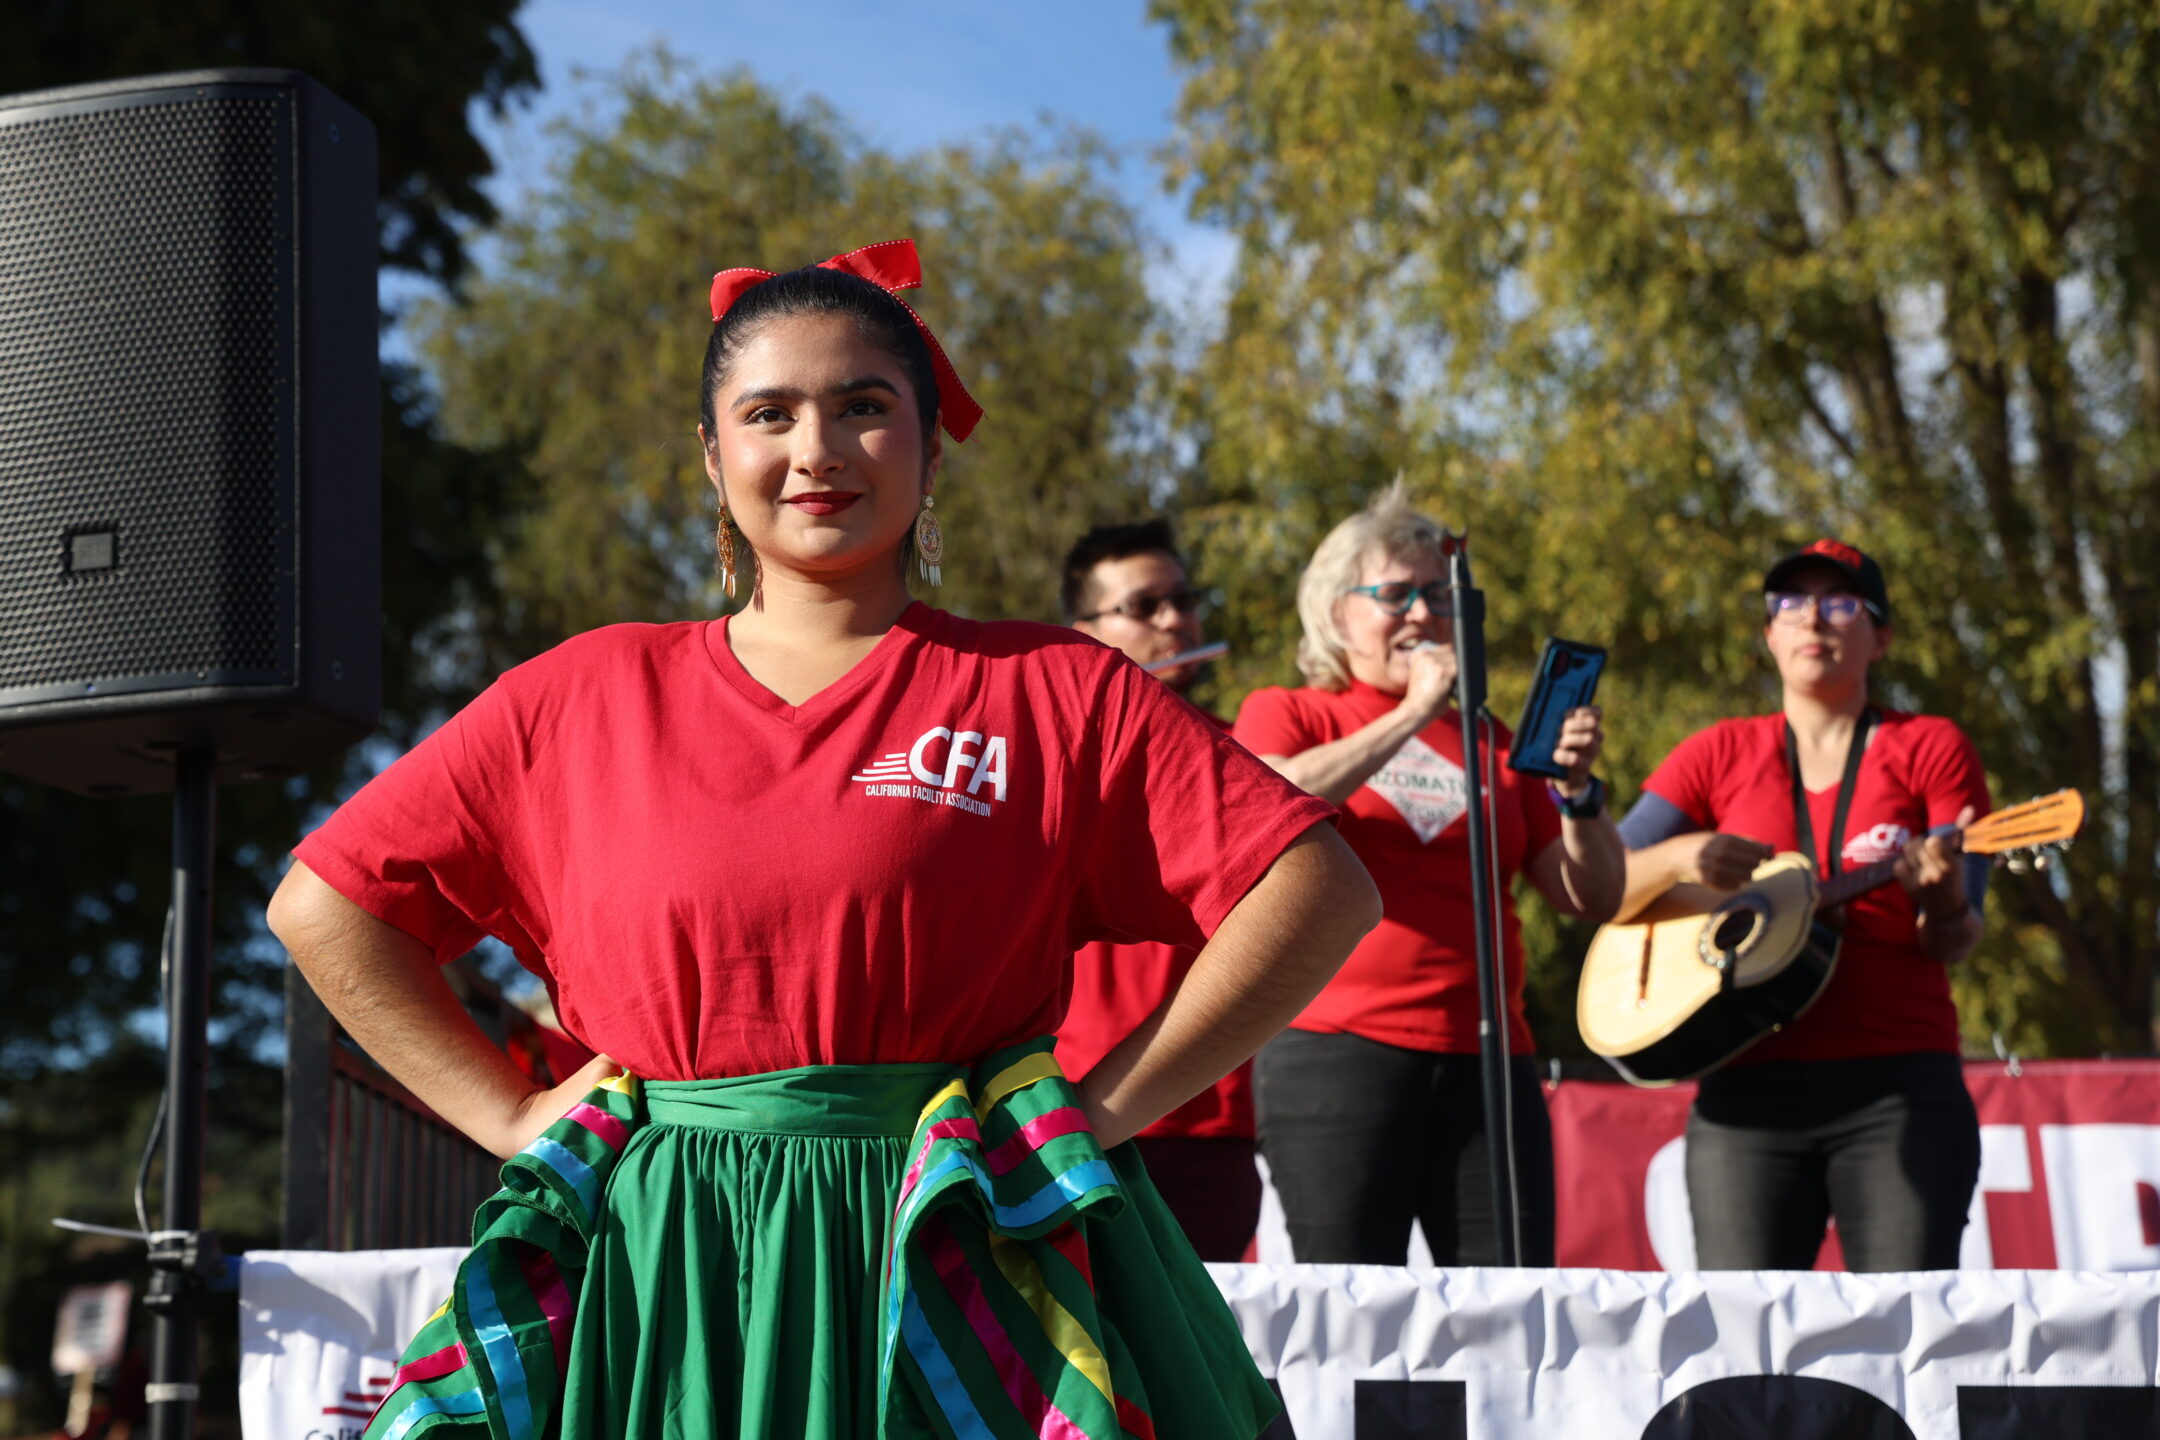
[(1379, 1353), (320, 1333), (1382, 1353)]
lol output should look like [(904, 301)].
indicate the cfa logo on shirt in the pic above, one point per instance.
[(1878, 842), (943, 767)]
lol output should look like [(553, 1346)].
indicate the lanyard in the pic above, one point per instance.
[(1803, 822)]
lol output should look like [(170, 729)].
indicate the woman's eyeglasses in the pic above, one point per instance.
[(1397, 596), (1144, 608), (1791, 607)]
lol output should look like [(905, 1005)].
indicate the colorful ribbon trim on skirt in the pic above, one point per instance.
[(990, 1310), (988, 1314), (490, 1360)]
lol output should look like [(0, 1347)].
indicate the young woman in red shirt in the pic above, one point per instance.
[(1371, 1110), (1858, 1109), (811, 874)]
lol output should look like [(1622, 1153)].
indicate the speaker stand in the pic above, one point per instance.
[(182, 1256)]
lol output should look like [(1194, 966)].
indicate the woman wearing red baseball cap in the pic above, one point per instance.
[(1857, 1110), (812, 875)]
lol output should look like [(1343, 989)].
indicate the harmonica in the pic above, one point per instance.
[(1213, 650)]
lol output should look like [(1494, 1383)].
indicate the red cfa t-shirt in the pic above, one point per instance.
[(1114, 988), (1413, 981), (1887, 996), (713, 882)]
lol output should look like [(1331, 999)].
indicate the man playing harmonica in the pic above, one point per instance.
[(1126, 586)]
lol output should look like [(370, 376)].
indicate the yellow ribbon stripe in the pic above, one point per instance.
[(954, 1090), (1064, 1331), (1039, 1066)]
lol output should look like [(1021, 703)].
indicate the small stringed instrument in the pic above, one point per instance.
[(1679, 990)]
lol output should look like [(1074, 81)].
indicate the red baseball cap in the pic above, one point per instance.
[(1862, 573)]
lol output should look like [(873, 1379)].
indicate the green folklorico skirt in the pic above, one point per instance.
[(875, 1251)]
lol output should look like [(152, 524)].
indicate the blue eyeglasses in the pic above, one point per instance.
[(1790, 607), (1397, 596)]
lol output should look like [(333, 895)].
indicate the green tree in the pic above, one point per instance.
[(580, 350), (1645, 290)]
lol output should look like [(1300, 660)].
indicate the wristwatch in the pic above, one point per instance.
[(1586, 806)]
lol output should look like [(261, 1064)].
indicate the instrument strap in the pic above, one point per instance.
[(1803, 821)]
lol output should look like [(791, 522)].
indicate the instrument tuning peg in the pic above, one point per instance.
[(2043, 860), (2019, 863)]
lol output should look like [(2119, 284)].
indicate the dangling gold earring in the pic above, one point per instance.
[(929, 543), (724, 538)]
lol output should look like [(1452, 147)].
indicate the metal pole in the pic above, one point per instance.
[(1468, 604), (174, 1297)]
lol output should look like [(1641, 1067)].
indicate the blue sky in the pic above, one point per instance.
[(924, 73)]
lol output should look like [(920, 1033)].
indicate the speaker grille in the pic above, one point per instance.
[(146, 280)]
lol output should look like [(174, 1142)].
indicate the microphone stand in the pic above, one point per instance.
[(1468, 604)]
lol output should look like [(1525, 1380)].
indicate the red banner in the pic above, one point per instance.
[(2069, 1171)]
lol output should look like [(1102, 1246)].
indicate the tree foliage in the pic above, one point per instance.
[(414, 70), (580, 349), (1648, 290)]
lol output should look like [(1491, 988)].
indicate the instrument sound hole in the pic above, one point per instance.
[(1733, 931)]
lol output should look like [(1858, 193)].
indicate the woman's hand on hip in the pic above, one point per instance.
[(543, 1108), (1264, 964), (385, 988)]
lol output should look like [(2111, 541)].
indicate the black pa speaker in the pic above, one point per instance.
[(190, 509)]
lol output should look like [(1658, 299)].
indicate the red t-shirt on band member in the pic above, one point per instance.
[(1887, 996), (1114, 988), (713, 882), (1412, 982)]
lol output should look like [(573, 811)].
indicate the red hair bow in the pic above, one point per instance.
[(892, 266)]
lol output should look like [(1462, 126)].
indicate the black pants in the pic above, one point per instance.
[(1889, 1145), (1362, 1137), (1211, 1185)]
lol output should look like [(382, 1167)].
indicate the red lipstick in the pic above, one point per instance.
[(824, 502)]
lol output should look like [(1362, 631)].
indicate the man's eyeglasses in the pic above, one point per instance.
[(1144, 608), (1397, 596), (1791, 607)]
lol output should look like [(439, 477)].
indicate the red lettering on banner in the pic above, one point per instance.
[(2021, 1228), (1604, 1140), (2069, 1172)]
